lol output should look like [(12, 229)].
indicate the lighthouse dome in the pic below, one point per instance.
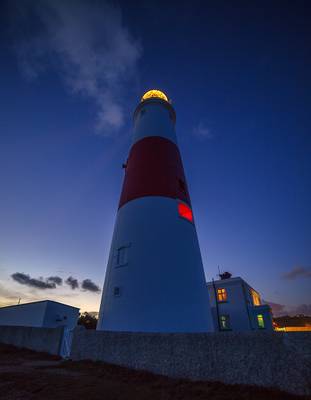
[(154, 93)]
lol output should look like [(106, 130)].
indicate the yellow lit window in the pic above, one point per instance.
[(261, 322), (221, 294), (256, 298)]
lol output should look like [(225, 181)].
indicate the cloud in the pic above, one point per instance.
[(56, 279), (10, 296), (25, 279), (72, 282), (202, 131), (89, 46), (53, 281), (90, 286), (277, 309), (297, 272), (304, 309)]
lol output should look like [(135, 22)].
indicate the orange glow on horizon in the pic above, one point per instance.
[(293, 329)]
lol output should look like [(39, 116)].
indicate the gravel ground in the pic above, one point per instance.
[(26, 375)]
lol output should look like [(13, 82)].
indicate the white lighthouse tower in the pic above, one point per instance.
[(155, 279)]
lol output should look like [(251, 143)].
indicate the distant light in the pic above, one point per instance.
[(154, 93), (185, 211)]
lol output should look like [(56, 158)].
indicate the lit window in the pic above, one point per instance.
[(256, 298), (222, 294), (185, 211), (261, 322), (224, 322)]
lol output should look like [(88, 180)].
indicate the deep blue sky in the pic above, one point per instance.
[(238, 74)]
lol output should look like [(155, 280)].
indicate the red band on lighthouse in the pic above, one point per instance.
[(154, 168)]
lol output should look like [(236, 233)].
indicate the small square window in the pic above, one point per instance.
[(222, 295), (116, 291), (224, 321), (260, 321)]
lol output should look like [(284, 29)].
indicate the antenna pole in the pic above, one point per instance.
[(216, 303)]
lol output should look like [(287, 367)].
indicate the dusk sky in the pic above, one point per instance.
[(71, 75)]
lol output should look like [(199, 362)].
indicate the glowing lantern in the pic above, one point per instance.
[(154, 93), (185, 211)]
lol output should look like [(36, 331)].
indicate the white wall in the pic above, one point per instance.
[(31, 314), (153, 119), (239, 306), (235, 306), (58, 314), (47, 314), (162, 285)]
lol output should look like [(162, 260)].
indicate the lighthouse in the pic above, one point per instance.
[(154, 278)]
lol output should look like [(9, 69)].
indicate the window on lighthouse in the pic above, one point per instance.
[(121, 256), (185, 211)]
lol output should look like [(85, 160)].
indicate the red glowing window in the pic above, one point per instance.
[(185, 211)]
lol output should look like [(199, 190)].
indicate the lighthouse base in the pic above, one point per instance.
[(155, 279)]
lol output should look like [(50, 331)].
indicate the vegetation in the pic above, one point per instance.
[(297, 320), (87, 320)]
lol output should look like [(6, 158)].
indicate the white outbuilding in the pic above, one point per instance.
[(43, 314), (236, 306)]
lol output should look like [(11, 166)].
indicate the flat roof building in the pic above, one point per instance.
[(236, 306), (43, 314)]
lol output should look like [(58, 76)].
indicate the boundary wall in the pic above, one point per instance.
[(270, 359), (48, 340)]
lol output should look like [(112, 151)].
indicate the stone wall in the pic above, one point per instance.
[(280, 360), (276, 359), (47, 340)]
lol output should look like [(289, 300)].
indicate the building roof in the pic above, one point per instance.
[(230, 281), (40, 301), (225, 281)]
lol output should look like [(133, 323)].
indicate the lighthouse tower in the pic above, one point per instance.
[(155, 279)]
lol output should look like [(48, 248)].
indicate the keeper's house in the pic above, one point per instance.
[(43, 314), (236, 306)]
